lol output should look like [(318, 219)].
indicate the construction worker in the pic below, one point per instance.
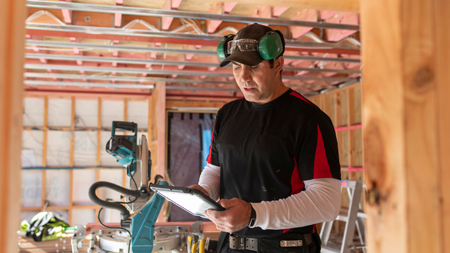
[(274, 160)]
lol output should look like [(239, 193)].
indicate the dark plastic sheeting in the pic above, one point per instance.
[(185, 154)]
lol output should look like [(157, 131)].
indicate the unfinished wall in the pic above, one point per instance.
[(343, 106), (63, 154)]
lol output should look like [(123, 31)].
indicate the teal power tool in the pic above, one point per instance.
[(139, 219)]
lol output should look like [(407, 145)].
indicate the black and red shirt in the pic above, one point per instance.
[(267, 151)]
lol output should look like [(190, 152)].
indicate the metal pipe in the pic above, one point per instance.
[(164, 62), (125, 70), (118, 60), (90, 85), (46, 43), (71, 45), (141, 79), (122, 78), (138, 11), (325, 79), (352, 81), (162, 72), (148, 33), (113, 86)]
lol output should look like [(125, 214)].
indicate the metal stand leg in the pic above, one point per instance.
[(349, 230), (354, 219), (325, 232)]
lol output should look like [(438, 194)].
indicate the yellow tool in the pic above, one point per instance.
[(201, 247), (190, 238), (194, 247)]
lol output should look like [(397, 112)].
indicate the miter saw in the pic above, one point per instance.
[(141, 206)]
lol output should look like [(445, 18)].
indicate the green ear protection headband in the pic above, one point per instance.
[(270, 46)]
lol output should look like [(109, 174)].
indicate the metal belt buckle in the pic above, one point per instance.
[(242, 243), (251, 244), (234, 242), (238, 243), (291, 243)]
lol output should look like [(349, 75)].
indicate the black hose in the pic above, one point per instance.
[(112, 205)]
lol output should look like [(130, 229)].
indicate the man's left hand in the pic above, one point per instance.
[(236, 217)]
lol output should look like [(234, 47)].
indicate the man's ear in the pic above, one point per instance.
[(278, 64)]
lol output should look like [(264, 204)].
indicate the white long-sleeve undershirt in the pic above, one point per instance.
[(319, 202)]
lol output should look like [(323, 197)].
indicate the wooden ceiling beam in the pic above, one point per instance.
[(278, 10), (341, 18), (118, 16), (67, 14), (218, 8), (341, 5), (305, 15), (169, 5)]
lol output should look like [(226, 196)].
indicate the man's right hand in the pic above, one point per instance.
[(198, 187)]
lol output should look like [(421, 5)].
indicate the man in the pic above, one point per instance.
[(273, 160)]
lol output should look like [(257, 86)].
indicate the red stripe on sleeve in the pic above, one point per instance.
[(295, 94), (297, 183), (321, 167), (208, 159)]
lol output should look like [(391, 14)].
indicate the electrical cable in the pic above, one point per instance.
[(135, 185), (129, 202), (100, 221)]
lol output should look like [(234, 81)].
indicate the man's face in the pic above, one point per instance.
[(257, 83)]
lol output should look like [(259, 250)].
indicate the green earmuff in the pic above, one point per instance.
[(270, 46), (220, 51), (222, 47)]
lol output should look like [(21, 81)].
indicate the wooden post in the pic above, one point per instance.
[(157, 129), (72, 159), (157, 132), (442, 40), (406, 123), (125, 117), (12, 36), (99, 146), (44, 153), (161, 126), (99, 132)]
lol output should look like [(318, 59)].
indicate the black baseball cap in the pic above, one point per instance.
[(250, 58)]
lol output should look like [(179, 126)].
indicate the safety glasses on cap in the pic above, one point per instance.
[(242, 45)]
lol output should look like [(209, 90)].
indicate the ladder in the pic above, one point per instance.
[(353, 217)]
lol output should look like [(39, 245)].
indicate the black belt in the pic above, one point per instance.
[(240, 243)]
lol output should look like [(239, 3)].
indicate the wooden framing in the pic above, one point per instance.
[(99, 129), (170, 104), (406, 123), (99, 133), (157, 128), (99, 139), (72, 155), (442, 40), (12, 35), (125, 112), (44, 152), (343, 107)]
